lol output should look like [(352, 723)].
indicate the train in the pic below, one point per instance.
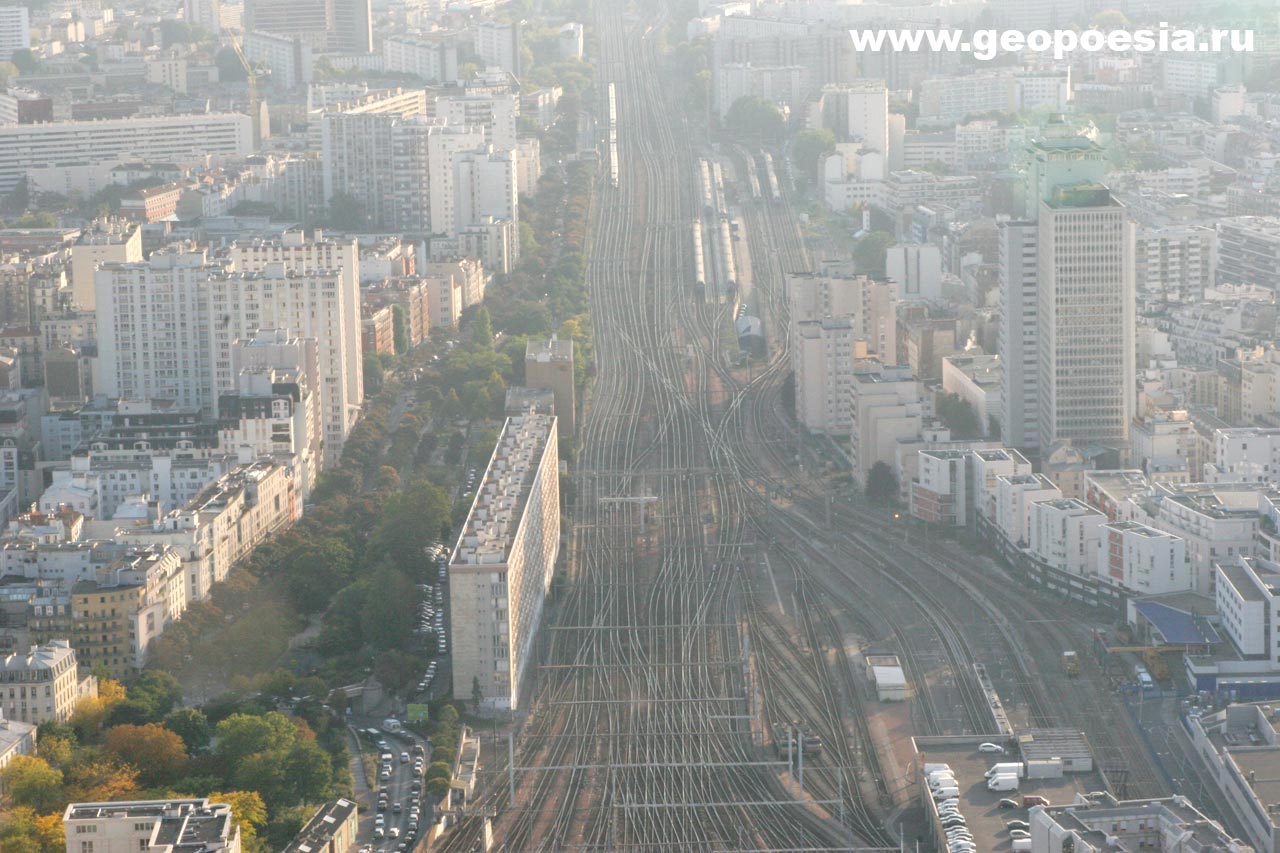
[(613, 135), (784, 740), (699, 262), (771, 176)]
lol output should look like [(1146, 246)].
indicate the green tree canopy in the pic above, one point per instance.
[(755, 118), (882, 484), (808, 147), (869, 254)]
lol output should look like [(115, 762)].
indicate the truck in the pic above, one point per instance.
[(1070, 664), (1005, 768), (1003, 782), (1021, 845)]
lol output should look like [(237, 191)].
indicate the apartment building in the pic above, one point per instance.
[(887, 408), (1015, 494), (1218, 521), (152, 319), (332, 829), (496, 113), (1241, 751), (503, 562), (223, 524), (159, 826), (1144, 561), (1171, 824), (435, 61), (43, 685), (112, 600), (1064, 535), (1249, 251), (15, 30), (119, 244), (500, 45), (550, 364), (823, 353), (311, 288), (940, 493), (159, 138)]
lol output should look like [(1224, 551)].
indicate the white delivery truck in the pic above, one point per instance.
[(1004, 768), (1006, 782), (1021, 845)]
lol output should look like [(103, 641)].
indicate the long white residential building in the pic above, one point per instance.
[(503, 562), (106, 141)]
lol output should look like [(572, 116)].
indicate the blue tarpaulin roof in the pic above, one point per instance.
[(1178, 627)]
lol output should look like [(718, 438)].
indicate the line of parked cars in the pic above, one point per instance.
[(946, 798)]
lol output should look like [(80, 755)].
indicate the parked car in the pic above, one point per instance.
[(1008, 803), (991, 747)]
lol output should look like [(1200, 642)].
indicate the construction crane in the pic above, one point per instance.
[(251, 74)]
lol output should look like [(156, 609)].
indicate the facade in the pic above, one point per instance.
[(123, 245), (495, 113), (1249, 251), (434, 61), (160, 138), (822, 359), (499, 45), (1218, 521), (1018, 344), (976, 380), (1144, 561), (15, 30), (41, 686), (1246, 593), (887, 409), (1014, 496), (940, 492), (159, 303), (163, 826), (288, 57), (502, 564), (550, 364), (1064, 534), (1086, 317), (310, 287)]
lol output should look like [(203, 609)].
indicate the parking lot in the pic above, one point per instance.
[(983, 814)]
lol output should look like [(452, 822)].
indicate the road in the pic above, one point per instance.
[(398, 787)]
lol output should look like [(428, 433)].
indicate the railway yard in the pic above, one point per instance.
[(723, 594)]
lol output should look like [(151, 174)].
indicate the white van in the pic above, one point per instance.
[(1022, 844), (946, 793)]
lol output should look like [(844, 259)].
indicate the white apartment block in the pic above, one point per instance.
[(484, 188), (939, 493), (152, 319), (949, 99), (1219, 521), (1086, 316), (1246, 455), (102, 487), (121, 246), (311, 289), (155, 138), (1018, 343), (1064, 534), (1192, 76), (434, 61), (499, 45), (1247, 592), (887, 408), (503, 562), (496, 113), (870, 305), (314, 305), (42, 685), (528, 165), (1143, 560), (158, 826), (989, 465), (822, 358), (1249, 251), (916, 268), (276, 410), (1014, 496), (1166, 446), (867, 105), (288, 57), (15, 30), (1175, 259), (976, 380)]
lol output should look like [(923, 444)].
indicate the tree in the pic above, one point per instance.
[(808, 147), (754, 117), (173, 32), (477, 695), (400, 323), (192, 726), (43, 219), (159, 754), (959, 416), (438, 788), (101, 778), (478, 326), (882, 484), (153, 695), (25, 60), (344, 212), (438, 770), (242, 735), (230, 69), (869, 254), (306, 775), (30, 781), (23, 831), (247, 810)]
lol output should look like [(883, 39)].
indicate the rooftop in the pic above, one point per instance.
[(1178, 627), (498, 508)]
